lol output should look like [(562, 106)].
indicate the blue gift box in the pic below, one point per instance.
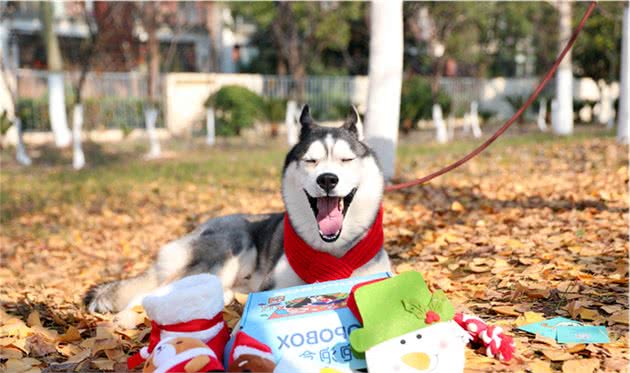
[(308, 324)]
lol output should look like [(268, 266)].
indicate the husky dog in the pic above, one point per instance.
[(332, 188)]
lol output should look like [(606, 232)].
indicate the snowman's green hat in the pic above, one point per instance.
[(396, 306)]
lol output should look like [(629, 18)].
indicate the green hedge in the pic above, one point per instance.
[(416, 101), (236, 108)]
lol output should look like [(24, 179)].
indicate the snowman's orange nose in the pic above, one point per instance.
[(417, 360)]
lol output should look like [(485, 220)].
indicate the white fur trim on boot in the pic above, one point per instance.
[(190, 298), (246, 350)]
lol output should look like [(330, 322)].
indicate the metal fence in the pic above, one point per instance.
[(117, 100), (328, 96), (111, 100)]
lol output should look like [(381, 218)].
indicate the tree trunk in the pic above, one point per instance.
[(214, 25), (153, 49), (563, 125), (210, 140), (385, 81), (290, 123), (20, 150), (624, 96), (78, 158), (150, 117), (56, 94)]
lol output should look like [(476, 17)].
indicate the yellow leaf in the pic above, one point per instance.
[(33, 319), (16, 366), (580, 366), (505, 310), (72, 334), (529, 318), (588, 314), (456, 206), (557, 355), (539, 366)]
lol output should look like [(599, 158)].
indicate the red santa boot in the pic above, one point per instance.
[(250, 355), (191, 308)]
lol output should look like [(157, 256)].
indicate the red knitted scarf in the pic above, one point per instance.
[(317, 266)]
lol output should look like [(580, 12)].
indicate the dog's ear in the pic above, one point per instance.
[(353, 123), (306, 121)]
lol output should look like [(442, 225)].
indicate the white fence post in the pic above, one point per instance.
[(290, 122), (150, 117), (210, 140), (450, 122), (441, 134), (474, 119), (541, 121), (20, 151), (78, 158)]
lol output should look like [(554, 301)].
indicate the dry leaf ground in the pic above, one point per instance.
[(536, 227)]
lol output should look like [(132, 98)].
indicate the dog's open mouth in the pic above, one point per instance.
[(329, 213)]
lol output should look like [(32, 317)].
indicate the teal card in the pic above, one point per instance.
[(583, 334), (549, 328)]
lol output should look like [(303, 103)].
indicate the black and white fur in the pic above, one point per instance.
[(246, 251)]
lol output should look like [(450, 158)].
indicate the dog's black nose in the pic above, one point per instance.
[(327, 181)]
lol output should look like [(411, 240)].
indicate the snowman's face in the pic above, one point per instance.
[(436, 348)]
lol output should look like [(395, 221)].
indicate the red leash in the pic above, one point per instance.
[(507, 124)]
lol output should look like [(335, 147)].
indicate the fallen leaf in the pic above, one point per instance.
[(16, 366), (80, 356), (588, 314), (620, 317), (580, 366), (539, 366), (505, 310), (72, 334), (456, 206), (33, 319), (529, 318), (103, 364), (557, 355)]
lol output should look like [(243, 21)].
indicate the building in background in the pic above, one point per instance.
[(193, 36)]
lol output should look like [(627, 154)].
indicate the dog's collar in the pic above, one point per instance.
[(317, 266)]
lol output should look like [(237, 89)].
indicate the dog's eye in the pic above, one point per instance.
[(311, 161), (347, 160)]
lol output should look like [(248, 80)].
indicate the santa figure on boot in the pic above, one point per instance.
[(250, 355), (188, 308)]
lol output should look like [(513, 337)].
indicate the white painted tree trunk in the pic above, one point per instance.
[(210, 140), (57, 109), (563, 125), (542, 115), (150, 117), (441, 134), (385, 81), (78, 158), (474, 119), (450, 122), (605, 114), (467, 128), (291, 123), (20, 151), (623, 116)]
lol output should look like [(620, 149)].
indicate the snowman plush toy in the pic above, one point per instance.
[(406, 328)]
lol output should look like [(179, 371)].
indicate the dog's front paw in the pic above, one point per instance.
[(100, 298), (228, 296)]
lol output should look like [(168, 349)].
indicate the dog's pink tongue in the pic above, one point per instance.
[(329, 216)]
